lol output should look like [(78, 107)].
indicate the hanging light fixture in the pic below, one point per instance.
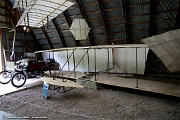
[(24, 28)]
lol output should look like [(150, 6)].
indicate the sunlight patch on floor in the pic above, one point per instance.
[(9, 88)]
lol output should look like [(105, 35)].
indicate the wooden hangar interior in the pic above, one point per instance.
[(128, 45)]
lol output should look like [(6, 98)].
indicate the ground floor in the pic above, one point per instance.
[(90, 104)]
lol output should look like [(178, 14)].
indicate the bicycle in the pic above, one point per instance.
[(17, 77), (5, 76)]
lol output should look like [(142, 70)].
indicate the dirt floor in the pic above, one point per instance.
[(88, 104)]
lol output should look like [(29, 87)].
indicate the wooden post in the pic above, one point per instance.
[(1, 63)]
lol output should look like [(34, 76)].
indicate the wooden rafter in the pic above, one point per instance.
[(178, 17), (59, 32), (104, 20), (47, 37), (84, 16), (153, 25), (36, 39), (125, 19)]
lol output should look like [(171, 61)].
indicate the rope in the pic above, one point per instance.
[(14, 39)]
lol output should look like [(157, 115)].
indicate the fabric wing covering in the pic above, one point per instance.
[(38, 12), (79, 29), (167, 47)]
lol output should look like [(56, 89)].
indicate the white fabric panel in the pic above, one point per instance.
[(101, 59), (61, 58), (125, 60), (71, 63), (45, 8), (21, 3), (79, 29), (68, 3), (78, 55), (46, 3), (166, 47)]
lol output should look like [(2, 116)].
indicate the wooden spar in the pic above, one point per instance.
[(59, 82), (96, 47)]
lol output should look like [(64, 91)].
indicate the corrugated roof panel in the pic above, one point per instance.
[(85, 43), (91, 8), (31, 43), (49, 27), (51, 35), (28, 36), (49, 23), (73, 11), (64, 27), (76, 17), (162, 31), (94, 16), (142, 9), (139, 26), (45, 47), (167, 5), (69, 39), (57, 45), (117, 36), (166, 24), (43, 41), (96, 23), (98, 30), (66, 33), (51, 30), (112, 4), (138, 35), (114, 13), (55, 40), (19, 35), (131, 2), (60, 15), (116, 21), (116, 29), (139, 18), (100, 37), (101, 42), (166, 15), (40, 36), (17, 43), (71, 44), (119, 41), (19, 50), (87, 1), (61, 20), (37, 31)]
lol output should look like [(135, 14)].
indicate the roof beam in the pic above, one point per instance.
[(125, 19), (153, 25), (59, 32), (47, 37), (178, 17), (84, 16), (36, 40), (69, 23), (105, 24)]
